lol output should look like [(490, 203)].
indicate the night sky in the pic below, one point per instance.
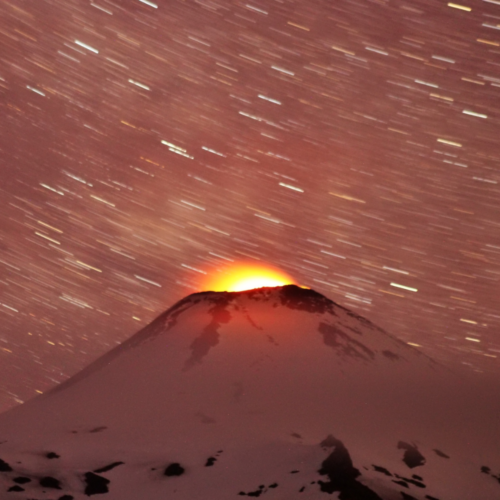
[(352, 144)]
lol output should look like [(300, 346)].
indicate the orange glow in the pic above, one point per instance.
[(246, 276)]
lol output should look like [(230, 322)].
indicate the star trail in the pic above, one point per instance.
[(144, 145)]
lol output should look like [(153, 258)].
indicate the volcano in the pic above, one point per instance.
[(277, 393)]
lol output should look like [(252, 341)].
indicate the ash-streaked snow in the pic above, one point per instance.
[(275, 392)]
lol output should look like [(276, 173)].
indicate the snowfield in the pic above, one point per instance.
[(276, 393)]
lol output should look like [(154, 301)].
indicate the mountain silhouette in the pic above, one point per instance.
[(274, 392)]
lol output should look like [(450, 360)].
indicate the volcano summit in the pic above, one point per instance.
[(275, 392)]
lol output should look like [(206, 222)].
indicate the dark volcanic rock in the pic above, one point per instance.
[(15, 488), (108, 467), (440, 454), (98, 429), (95, 484), (401, 483), (344, 344), (257, 493), (487, 470), (416, 481), (51, 455), (4, 466), (407, 497), (383, 470), (412, 457), (21, 480), (210, 336), (50, 482), (342, 474), (305, 299), (210, 461), (174, 469)]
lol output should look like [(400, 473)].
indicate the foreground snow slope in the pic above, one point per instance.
[(276, 392)]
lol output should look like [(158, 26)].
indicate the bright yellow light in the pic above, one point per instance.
[(246, 276)]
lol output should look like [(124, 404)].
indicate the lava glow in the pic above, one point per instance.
[(246, 276)]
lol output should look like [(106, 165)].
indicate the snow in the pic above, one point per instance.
[(276, 392)]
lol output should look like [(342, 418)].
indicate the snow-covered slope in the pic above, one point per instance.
[(276, 392)]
